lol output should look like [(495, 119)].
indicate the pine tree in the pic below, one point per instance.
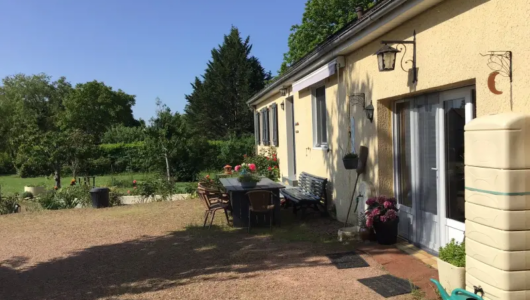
[(217, 106)]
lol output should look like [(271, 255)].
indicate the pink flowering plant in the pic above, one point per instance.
[(247, 173), (380, 209), (266, 162)]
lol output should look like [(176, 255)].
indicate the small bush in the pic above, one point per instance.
[(8, 205), (26, 195), (68, 197), (454, 253), (48, 201), (151, 187), (114, 197)]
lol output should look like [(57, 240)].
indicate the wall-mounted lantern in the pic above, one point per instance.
[(369, 110), (386, 56), (283, 91), (359, 98), (283, 105)]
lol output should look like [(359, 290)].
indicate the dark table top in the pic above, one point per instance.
[(231, 185)]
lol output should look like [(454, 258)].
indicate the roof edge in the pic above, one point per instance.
[(327, 46)]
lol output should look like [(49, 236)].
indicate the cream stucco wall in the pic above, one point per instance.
[(450, 38)]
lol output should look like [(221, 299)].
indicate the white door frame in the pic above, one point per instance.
[(291, 136), (447, 224), (444, 224)]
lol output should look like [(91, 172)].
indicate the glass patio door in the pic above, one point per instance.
[(458, 110), (416, 136)]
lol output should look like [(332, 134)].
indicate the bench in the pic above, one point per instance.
[(310, 193)]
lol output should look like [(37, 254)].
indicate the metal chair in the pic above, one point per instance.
[(212, 205), (260, 202)]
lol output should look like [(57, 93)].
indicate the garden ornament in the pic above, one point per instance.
[(458, 294)]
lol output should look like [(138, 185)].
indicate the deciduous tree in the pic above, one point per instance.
[(321, 19)]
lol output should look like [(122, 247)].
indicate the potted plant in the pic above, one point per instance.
[(365, 233), (247, 175), (451, 265), (350, 161), (382, 215), (228, 169)]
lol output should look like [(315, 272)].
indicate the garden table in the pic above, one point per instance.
[(239, 200)]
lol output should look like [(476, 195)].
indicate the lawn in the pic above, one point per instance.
[(157, 251), (11, 184)]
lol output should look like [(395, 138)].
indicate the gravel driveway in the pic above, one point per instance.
[(156, 251)]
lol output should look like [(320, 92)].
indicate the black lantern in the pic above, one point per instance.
[(386, 57), (369, 110), (283, 105)]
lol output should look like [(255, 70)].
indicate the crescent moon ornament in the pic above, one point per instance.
[(491, 83)]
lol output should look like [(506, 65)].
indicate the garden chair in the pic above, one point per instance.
[(216, 195), (212, 205), (260, 202)]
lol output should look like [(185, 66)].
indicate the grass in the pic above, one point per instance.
[(12, 184)]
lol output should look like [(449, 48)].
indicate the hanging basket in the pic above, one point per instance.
[(350, 163)]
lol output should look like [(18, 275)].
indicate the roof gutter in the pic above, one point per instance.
[(321, 56)]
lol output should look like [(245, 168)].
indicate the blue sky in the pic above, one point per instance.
[(149, 48)]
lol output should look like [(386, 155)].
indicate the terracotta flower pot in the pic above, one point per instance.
[(367, 234)]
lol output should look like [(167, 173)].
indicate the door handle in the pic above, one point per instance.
[(434, 169)]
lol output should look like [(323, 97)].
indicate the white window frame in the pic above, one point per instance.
[(316, 144)]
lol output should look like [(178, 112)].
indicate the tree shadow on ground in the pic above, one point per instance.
[(156, 263)]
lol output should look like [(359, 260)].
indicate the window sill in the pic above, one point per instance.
[(322, 148)]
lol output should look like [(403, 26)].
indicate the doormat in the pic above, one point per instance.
[(388, 285), (347, 260)]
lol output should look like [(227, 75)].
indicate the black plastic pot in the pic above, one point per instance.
[(350, 163), (100, 197), (386, 232)]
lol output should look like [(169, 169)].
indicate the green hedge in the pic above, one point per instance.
[(191, 157)]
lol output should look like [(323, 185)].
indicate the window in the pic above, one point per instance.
[(265, 126), (274, 109), (320, 131), (257, 128), (404, 154)]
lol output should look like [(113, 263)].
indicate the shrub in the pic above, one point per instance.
[(8, 205), (27, 195), (454, 253), (114, 197), (6, 164), (230, 151), (267, 163), (48, 201), (67, 197), (151, 187)]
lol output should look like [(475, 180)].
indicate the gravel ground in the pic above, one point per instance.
[(157, 251)]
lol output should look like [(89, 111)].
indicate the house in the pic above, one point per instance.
[(472, 59)]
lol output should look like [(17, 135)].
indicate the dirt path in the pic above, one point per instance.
[(155, 251)]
